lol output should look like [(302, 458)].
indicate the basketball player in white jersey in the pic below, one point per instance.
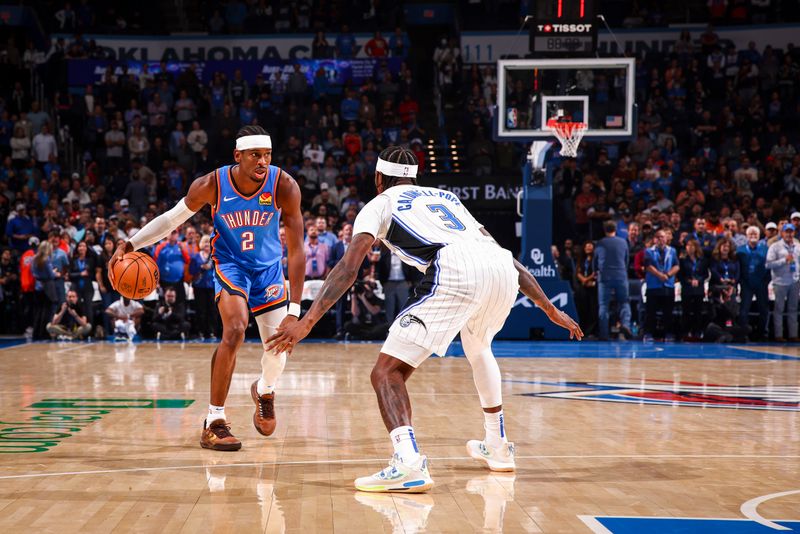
[(470, 285)]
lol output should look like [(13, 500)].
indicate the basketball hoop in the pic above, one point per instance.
[(569, 135)]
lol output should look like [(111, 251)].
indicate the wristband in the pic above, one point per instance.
[(294, 309)]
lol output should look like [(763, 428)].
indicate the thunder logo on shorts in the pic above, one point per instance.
[(245, 244)]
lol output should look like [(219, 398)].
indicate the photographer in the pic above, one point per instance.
[(170, 318), (724, 326), (127, 315), (69, 322), (365, 308)]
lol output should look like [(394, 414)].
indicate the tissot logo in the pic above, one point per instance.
[(565, 28)]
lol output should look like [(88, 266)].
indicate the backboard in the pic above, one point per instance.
[(597, 91)]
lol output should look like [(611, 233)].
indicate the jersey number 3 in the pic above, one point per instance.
[(247, 241), (446, 215)]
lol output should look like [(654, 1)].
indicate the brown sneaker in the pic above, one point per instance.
[(217, 436), (264, 417)]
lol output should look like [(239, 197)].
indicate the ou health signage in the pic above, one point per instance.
[(211, 48), (488, 47)]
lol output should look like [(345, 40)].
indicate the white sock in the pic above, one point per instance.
[(214, 413), (405, 444), (494, 425), (262, 388)]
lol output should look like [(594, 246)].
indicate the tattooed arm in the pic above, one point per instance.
[(336, 284)]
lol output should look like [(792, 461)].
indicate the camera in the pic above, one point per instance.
[(359, 287)]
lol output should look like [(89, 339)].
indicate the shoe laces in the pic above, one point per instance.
[(391, 469), (221, 430), (266, 407)]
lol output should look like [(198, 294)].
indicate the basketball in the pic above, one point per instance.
[(136, 275)]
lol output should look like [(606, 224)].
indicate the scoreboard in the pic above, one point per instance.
[(563, 28)]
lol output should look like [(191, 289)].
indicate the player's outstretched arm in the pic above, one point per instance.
[(531, 289), (202, 191), (338, 282), (292, 216)]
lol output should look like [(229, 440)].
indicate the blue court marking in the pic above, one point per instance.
[(689, 525), (626, 350), (11, 342)]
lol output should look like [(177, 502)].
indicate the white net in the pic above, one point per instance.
[(569, 135)]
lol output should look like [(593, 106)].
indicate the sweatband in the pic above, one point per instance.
[(253, 141), (162, 226), (396, 169), (294, 309)]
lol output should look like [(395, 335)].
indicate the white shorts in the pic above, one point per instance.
[(467, 289)]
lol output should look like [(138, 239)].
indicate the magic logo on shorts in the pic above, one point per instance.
[(408, 319), (672, 393)]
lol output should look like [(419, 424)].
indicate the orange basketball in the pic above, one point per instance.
[(136, 275)]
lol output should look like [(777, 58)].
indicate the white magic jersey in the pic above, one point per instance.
[(470, 282), (415, 222)]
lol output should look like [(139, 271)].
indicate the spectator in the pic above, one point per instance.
[(345, 44), (377, 47), (69, 322), (365, 308), (206, 317), (197, 139), (724, 326), (706, 239), (353, 199), (611, 264), (399, 43), (82, 271), (172, 259), (586, 289), (317, 254), (754, 279), (396, 278), (170, 318), (20, 147), (325, 236), (693, 275), (138, 145), (661, 265), (60, 261), (45, 292), (724, 265), (9, 293), (320, 49), (44, 146), (20, 229), (127, 315), (115, 143), (783, 257)]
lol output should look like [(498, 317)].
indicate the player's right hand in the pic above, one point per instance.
[(118, 254), (565, 321)]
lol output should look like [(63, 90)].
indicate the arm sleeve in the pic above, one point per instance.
[(161, 226)]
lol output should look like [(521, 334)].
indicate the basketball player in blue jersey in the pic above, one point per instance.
[(248, 200), (470, 286)]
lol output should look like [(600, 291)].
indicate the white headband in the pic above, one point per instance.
[(253, 141), (396, 169)]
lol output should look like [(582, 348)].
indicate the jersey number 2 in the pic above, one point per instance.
[(446, 215), (247, 241)]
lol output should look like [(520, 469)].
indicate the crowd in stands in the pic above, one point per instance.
[(707, 195), (143, 138)]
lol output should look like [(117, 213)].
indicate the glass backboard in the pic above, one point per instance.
[(597, 91)]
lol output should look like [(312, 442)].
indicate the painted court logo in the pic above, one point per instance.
[(46, 423), (670, 393)]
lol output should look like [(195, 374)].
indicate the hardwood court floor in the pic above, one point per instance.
[(610, 438)]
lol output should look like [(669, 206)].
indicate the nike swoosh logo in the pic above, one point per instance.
[(226, 199)]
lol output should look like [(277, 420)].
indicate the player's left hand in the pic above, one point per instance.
[(565, 321), (290, 333)]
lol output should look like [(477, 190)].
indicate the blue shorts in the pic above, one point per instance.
[(262, 289)]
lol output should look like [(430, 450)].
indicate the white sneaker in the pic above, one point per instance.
[(399, 477), (499, 459)]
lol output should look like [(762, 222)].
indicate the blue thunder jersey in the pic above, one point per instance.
[(246, 227)]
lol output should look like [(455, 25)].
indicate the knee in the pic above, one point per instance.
[(233, 334), (378, 376)]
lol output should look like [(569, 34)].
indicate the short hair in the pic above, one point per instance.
[(609, 227), (253, 129)]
